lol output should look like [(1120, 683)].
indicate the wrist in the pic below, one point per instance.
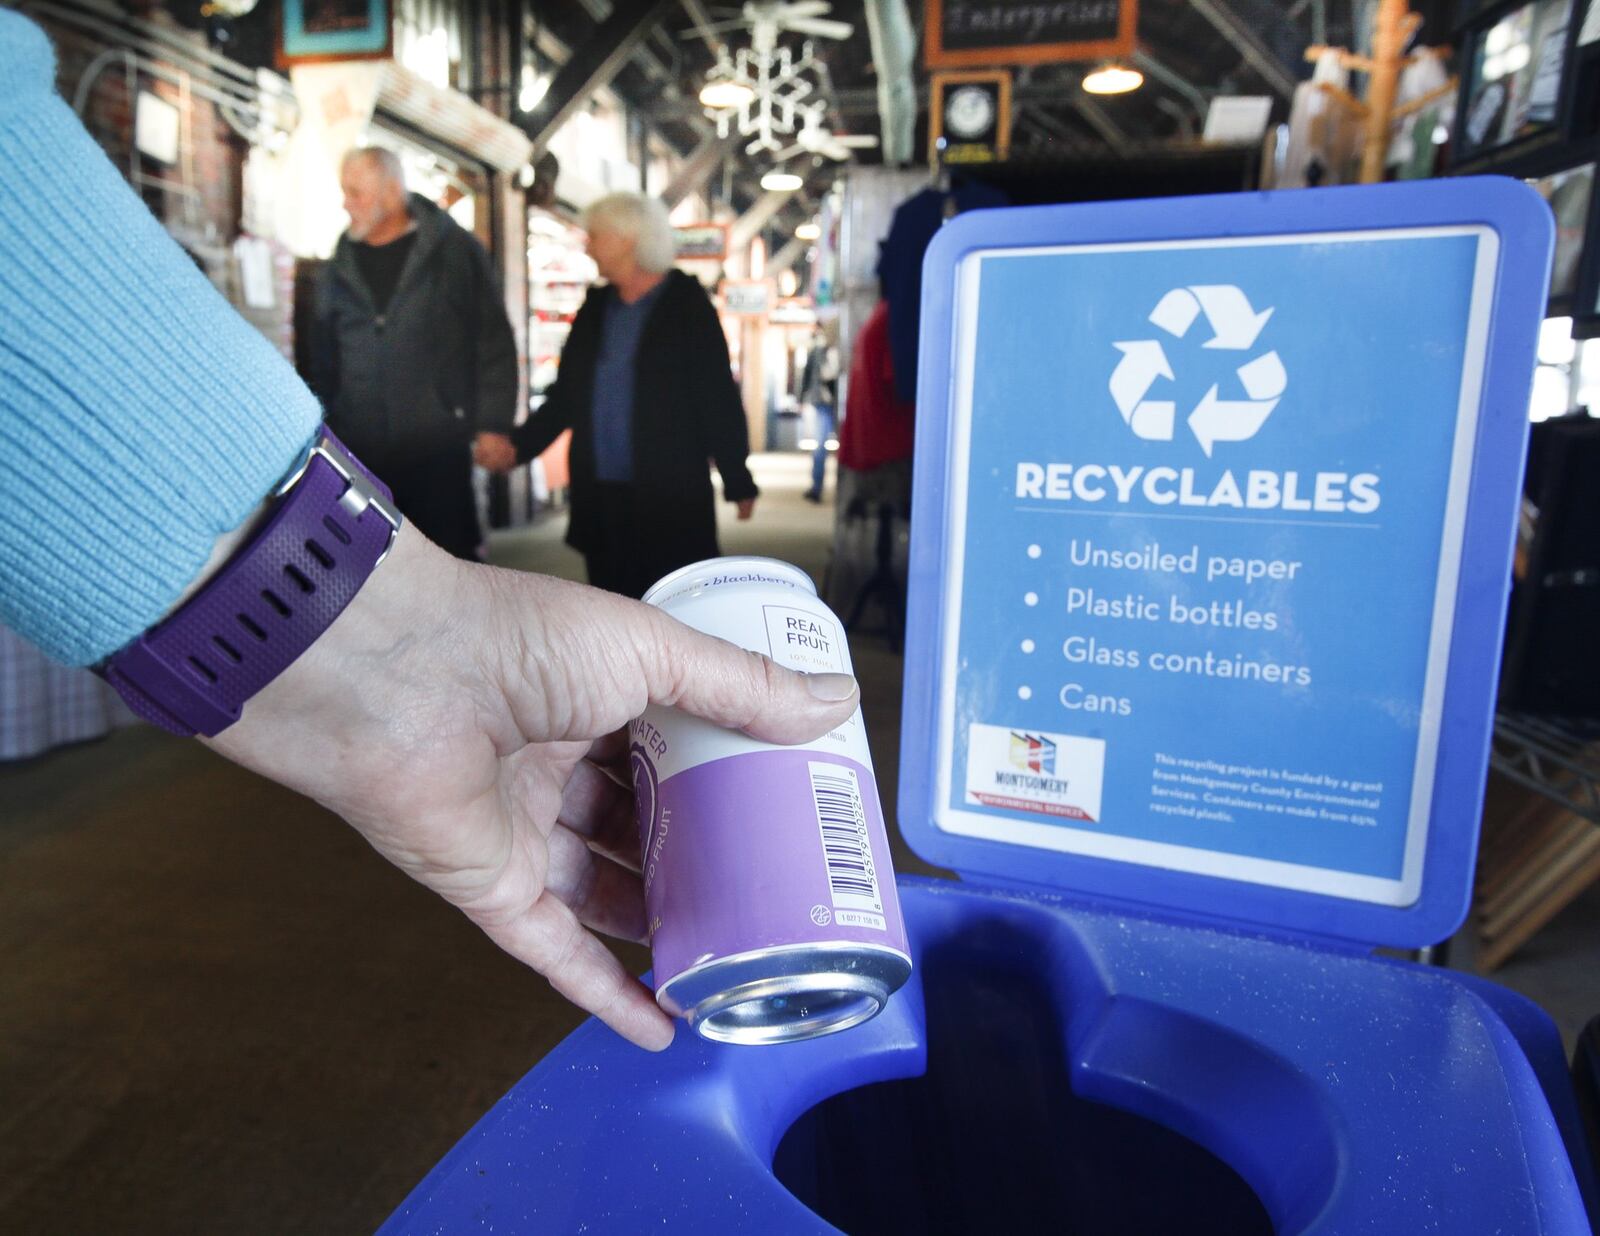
[(342, 702), (252, 613)]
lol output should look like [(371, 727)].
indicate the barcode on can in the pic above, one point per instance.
[(852, 875)]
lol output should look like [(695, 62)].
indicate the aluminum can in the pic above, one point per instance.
[(773, 913)]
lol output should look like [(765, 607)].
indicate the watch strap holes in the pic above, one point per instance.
[(299, 577), (333, 526), (250, 625), (202, 670), (228, 649), (321, 555), (274, 600)]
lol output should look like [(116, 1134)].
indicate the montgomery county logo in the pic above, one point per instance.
[(1034, 753)]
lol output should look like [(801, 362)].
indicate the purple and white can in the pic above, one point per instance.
[(767, 878)]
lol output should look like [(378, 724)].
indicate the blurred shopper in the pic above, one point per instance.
[(412, 351), (646, 388), (819, 388)]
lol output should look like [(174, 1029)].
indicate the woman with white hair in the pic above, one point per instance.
[(646, 386)]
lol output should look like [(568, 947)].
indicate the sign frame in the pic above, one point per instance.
[(1492, 468), (936, 55)]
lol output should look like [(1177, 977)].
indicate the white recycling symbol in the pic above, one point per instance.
[(1234, 327)]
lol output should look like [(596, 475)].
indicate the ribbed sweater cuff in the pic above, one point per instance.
[(140, 416)]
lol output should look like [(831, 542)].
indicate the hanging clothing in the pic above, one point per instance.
[(878, 425), (916, 221)]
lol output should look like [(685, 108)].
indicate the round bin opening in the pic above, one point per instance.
[(756, 1015), (993, 1139)]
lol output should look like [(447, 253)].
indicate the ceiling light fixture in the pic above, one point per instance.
[(781, 182), (1113, 79), (722, 94), (808, 231)]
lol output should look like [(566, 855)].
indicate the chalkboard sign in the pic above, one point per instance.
[(983, 32)]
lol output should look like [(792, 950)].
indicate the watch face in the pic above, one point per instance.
[(969, 111)]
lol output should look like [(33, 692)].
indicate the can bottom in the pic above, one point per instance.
[(782, 1010), (781, 995)]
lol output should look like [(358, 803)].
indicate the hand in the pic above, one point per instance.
[(494, 451), (747, 508), (465, 720)]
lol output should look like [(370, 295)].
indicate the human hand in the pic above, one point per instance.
[(747, 508), (494, 451), (466, 721)]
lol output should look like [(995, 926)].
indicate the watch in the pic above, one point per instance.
[(192, 672)]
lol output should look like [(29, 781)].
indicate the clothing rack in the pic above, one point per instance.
[(1393, 29)]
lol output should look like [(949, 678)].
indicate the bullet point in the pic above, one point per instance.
[(1024, 693), (1027, 645), (1034, 551), (1031, 598)]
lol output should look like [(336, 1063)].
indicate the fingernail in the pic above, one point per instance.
[(831, 688)]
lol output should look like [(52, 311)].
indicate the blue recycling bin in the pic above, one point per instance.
[(1212, 529)]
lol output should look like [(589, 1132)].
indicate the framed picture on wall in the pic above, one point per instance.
[(319, 30), (1513, 87)]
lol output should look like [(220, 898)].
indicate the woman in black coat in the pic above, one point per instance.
[(646, 386)]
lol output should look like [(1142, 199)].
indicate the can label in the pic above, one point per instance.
[(747, 845)]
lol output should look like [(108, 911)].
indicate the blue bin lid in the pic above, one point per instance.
[(1215, 503)]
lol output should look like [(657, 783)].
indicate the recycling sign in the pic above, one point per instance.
[(1142, 382)]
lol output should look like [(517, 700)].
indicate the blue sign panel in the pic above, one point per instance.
[(1205, 503)]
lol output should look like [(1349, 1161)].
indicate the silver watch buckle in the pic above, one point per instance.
[(360, 493)]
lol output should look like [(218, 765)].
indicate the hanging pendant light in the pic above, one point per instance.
[(781, 182), (1112, 78)]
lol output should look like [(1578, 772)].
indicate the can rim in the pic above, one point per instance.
[(657, 591), (860, 998), (719, 984)]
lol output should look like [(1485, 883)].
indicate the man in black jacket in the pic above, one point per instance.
[(413, 353), (646, 387)]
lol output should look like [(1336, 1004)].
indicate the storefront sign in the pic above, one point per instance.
[(316, 30), (1210, 533), (989, 32), (746, 297), (969, 120), (702, 242)]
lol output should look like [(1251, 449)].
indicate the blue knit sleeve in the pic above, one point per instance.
[(140, 416)]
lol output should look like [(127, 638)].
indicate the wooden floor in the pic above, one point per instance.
[(222, 1012)]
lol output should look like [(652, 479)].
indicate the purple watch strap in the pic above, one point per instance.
[(193, 672)]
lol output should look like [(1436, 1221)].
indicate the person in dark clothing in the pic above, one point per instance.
[(412, 353), (646, 386)]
